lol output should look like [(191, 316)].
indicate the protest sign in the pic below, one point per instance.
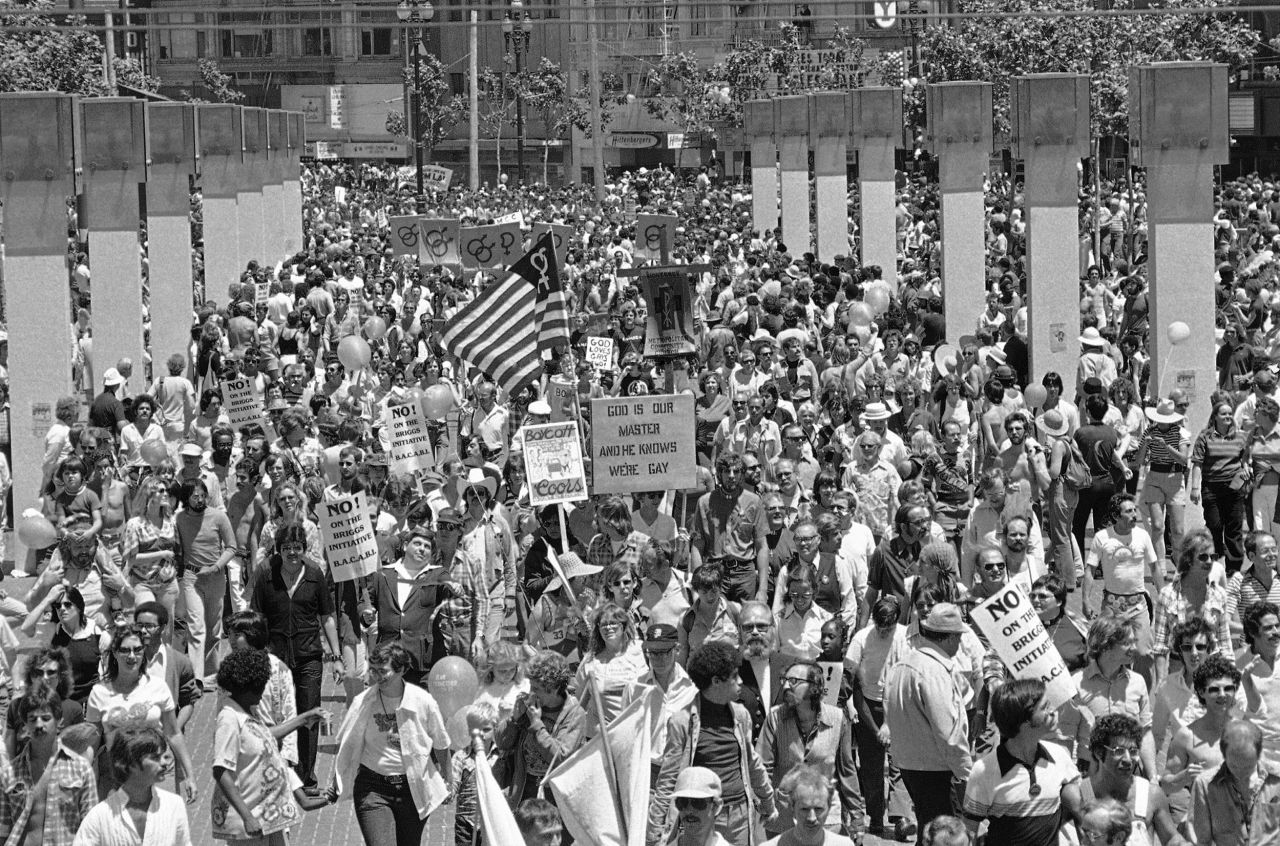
[(499, 245), (560, 396), (560, 237), (411, 450), (832, 677), (261, 293), (243, 405), (404, 234), (440, 241), (643, 443), (553, 463), (350, 546), (669, 329), (434, 176), (655, 236), (1015, 632), (600, 352), (513, 217)]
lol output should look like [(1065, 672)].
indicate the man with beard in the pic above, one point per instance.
[(898, 555), (950, 472), (781, 543), (218, 463), (47, 790), (1115, 745), (729, 527), (1014, 543), (207, 543), (1023, 459), (760, 672), (247, 512)]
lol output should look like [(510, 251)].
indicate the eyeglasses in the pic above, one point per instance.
[(684, 802), (1195, 647), (806, 539), (844, 509), (659, 652), (610, 627), (67, 604), (756, 627), (1123, 751), (623, 583), (1219, 691), (293, 547), (993, 566), (146, 627), (48, 674), (130, 650), (808, 594), (791, 681), (448, 527)]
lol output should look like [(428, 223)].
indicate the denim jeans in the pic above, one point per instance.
[(308, 676), (202, 612), (386, 813), (1224, 517)]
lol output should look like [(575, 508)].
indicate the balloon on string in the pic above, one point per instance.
[(862, 333), (459, 734), (154, 453), (375, 328), (37, 532), (454, 684), (860, 314), (1035, 395), (877, 297), (354, 352), (1177, 332), (437, 401)]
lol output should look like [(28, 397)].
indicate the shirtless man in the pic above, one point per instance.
[(248, 513), (1022, 457)]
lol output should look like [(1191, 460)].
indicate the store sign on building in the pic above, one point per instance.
[(634, 140), (821, 70)]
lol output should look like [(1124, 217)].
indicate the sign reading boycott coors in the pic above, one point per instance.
[(350, 546), (553, 463), (1014, 630), (410, 439), (643, 444)]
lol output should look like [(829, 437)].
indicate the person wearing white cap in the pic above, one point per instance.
[(925, 715), (107, 412), (1165, 449), (698, 802), (488, 537), (539, 412), (1094, 361)]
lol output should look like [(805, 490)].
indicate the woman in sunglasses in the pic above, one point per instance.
[(1196, 746), (85, 641), (1191, 594)]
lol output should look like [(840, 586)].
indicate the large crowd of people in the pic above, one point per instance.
[(803, 616)]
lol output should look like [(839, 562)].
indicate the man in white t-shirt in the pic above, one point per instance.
[(1123, 557)]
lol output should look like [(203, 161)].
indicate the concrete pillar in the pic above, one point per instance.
[(38, 138), (1049, 113), (876, 117), (274, 224), (757, 126), (1178, 132), (829, 129), (791, 122), (960, 135), (249, 218), (114, 160), (221, 138), (292, 184), (174, 159)]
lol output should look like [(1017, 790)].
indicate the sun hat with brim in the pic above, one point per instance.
[(1092, 338), (945, 618), (697, 783), (477, 477), (997, 355), (540, 407), (574, 568), (192, 450), (1164, 412), (112, 378), (876, 411), (1054, 424), (277, 404)]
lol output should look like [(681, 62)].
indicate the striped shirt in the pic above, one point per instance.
[(1219, 457), (1244, 589)]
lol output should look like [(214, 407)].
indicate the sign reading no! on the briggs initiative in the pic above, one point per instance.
[(643, 443)]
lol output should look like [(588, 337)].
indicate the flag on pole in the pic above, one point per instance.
[(589, 812), (495, 332), (551, 315), (496, 819)]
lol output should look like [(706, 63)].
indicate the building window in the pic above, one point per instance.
[(375, 42), (317, 41), (457, 83), (698, 19), (245, 39)]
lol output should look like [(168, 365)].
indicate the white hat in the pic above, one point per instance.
[(1164, 412), (1092, 338), (192, 449), (480, 477), (540, 407), (112, 378), (876, 411), (573, 568)]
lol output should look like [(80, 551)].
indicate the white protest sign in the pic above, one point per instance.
[(832, 678), (434, 176), (261, 292), (350, 546), (553, 463), (1015, 632), (643, 443), (600, 352), (410, 450), (560, 396), (513, 217), (243, 405)]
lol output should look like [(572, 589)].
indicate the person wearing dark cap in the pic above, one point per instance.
[(665, 682), (925, 715)]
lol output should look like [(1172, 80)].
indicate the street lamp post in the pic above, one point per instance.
[(516, 31), (416, 13)]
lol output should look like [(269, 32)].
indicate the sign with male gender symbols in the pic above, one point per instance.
[(439, 242), (498, 245), (406, 237)]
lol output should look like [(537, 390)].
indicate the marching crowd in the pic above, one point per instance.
[(801, 618)]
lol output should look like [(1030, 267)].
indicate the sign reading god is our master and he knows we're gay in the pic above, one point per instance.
[(643, 443)]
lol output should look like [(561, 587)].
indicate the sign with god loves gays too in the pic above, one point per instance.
[(553, 463), (1014, 630), (643, 444), (350, 546)]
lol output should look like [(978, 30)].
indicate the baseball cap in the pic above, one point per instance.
[(945, 618), (697, 783), (191, 449), (660, 634)]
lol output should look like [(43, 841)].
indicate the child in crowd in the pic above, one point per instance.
[(503, 680), (482, 719)]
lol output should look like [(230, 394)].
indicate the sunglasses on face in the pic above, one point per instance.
[(685, 802)]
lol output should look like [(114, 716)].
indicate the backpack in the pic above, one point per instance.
[(1076, 475)]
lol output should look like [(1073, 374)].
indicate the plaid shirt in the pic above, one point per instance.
[(600, 551), (1173, 608), (70, 793)]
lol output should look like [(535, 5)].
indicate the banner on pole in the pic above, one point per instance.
[(655, 236), (440, 241), (405, 236), (243, 405), (561, 236), (411, 450), (1015, 632), (498, 245), (669, 329), (643, 444), (350, 546), (437, 177), (553, 463)]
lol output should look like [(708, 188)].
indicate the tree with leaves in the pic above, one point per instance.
[(436, 106), (494, 103), (47, 53), (545, 91), (217, 84)]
